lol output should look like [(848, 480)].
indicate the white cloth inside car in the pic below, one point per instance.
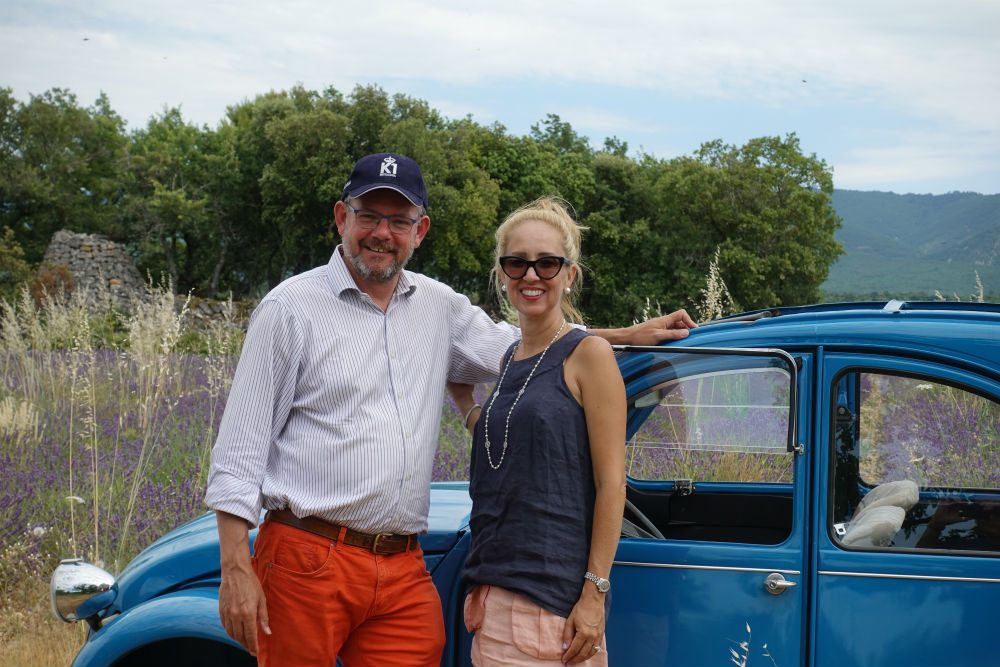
[(879, 515), (902, 493), (874, 526)]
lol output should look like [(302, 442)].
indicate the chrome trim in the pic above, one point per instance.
[(79, 590), (775, 584), (918, 577), (719, 568)]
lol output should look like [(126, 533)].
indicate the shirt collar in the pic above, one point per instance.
[(343, 281)]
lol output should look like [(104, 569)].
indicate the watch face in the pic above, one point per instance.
[(603, 585)]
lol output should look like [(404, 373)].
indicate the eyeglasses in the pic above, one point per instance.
[(546, 268), (368, 220)]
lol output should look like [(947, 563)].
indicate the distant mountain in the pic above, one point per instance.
[(915, 245)]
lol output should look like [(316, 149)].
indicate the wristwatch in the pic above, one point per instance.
[(603, 585)]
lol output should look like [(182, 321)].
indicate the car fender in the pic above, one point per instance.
[(187, 614)]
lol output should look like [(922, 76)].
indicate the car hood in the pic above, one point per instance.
[(188, 556)]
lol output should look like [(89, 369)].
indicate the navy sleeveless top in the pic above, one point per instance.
[(532, 517)]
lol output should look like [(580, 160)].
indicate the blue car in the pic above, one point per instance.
[(814, 485)]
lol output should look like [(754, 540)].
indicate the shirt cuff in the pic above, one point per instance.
[(230, 494)]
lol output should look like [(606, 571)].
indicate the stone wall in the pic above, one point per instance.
[(104, 269), (97, 264)]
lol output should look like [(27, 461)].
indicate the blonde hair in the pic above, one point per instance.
[(554, 212)]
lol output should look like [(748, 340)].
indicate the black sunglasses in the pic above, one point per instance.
[(546, 268)]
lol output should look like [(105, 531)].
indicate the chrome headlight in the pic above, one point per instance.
[(79, 590)]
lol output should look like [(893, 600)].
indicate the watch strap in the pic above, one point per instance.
[(602, 584)]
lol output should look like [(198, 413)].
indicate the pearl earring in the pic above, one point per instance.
[(568, 290), (503, 287)]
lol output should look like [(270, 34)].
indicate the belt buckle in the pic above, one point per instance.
[(375, 544)]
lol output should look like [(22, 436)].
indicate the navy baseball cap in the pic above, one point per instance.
[(387, 170)]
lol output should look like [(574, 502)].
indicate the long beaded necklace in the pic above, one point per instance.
[(489, 407)]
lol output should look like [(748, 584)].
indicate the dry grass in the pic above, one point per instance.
[(43, 643), (716, 301), (102, 400), (30, 635)]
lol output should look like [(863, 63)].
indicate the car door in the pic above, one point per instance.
[(912, 578), (713, 572)]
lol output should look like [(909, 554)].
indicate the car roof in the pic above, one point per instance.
[(962, 333)]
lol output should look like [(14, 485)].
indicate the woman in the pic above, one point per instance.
[(548, 471)]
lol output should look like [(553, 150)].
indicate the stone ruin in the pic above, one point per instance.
[(104, 269), (98, 265)]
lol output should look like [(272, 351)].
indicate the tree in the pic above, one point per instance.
[(462, 201), (369, 114), (167, 200), (61, 167), (14, 270), (656, 226), (253, 249), (241, 207), (768, 209), (307, 172), (626, 261)]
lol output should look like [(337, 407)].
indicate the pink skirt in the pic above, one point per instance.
[(512, 631)]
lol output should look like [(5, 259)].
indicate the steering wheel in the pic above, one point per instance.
[(642, 520)]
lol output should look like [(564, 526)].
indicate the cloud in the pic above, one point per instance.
[(928, 63), (906, 162)]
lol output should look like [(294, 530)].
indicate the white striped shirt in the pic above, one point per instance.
[(335, 406)]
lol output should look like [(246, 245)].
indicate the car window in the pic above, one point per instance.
[(721, 424), (917, 465)]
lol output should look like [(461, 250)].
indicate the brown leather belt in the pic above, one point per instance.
[(382, 544)]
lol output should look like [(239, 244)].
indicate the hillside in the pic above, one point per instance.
[(914, 245)]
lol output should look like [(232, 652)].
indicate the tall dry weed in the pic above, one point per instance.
[(977, 296), (716, 301), (153, 333), (108, 413), (18, 419)]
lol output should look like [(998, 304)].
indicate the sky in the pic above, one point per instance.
[(894, 95)]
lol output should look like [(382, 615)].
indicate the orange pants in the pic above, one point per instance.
[(326, 599)]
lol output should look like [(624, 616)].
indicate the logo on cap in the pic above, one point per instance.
[(388, 167)]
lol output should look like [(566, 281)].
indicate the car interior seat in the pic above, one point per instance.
[(902, 493), (880, 514), (874, 527)]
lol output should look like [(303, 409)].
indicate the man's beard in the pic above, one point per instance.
[(380, 276)]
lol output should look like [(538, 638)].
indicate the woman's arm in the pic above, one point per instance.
[(593, 376)]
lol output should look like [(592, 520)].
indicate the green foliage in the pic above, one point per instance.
[(166, 206), (61, 167), (305, 176), (463, 203), (238, 208), (14, 270), (766, 206)]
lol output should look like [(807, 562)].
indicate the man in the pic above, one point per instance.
[(332, 424)]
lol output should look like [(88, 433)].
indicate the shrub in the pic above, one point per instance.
[(14, 270), (53, 282)]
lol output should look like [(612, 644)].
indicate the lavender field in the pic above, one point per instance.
[(100, 466), (106, 428)]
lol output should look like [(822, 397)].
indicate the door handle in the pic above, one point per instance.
[(775, 584)]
